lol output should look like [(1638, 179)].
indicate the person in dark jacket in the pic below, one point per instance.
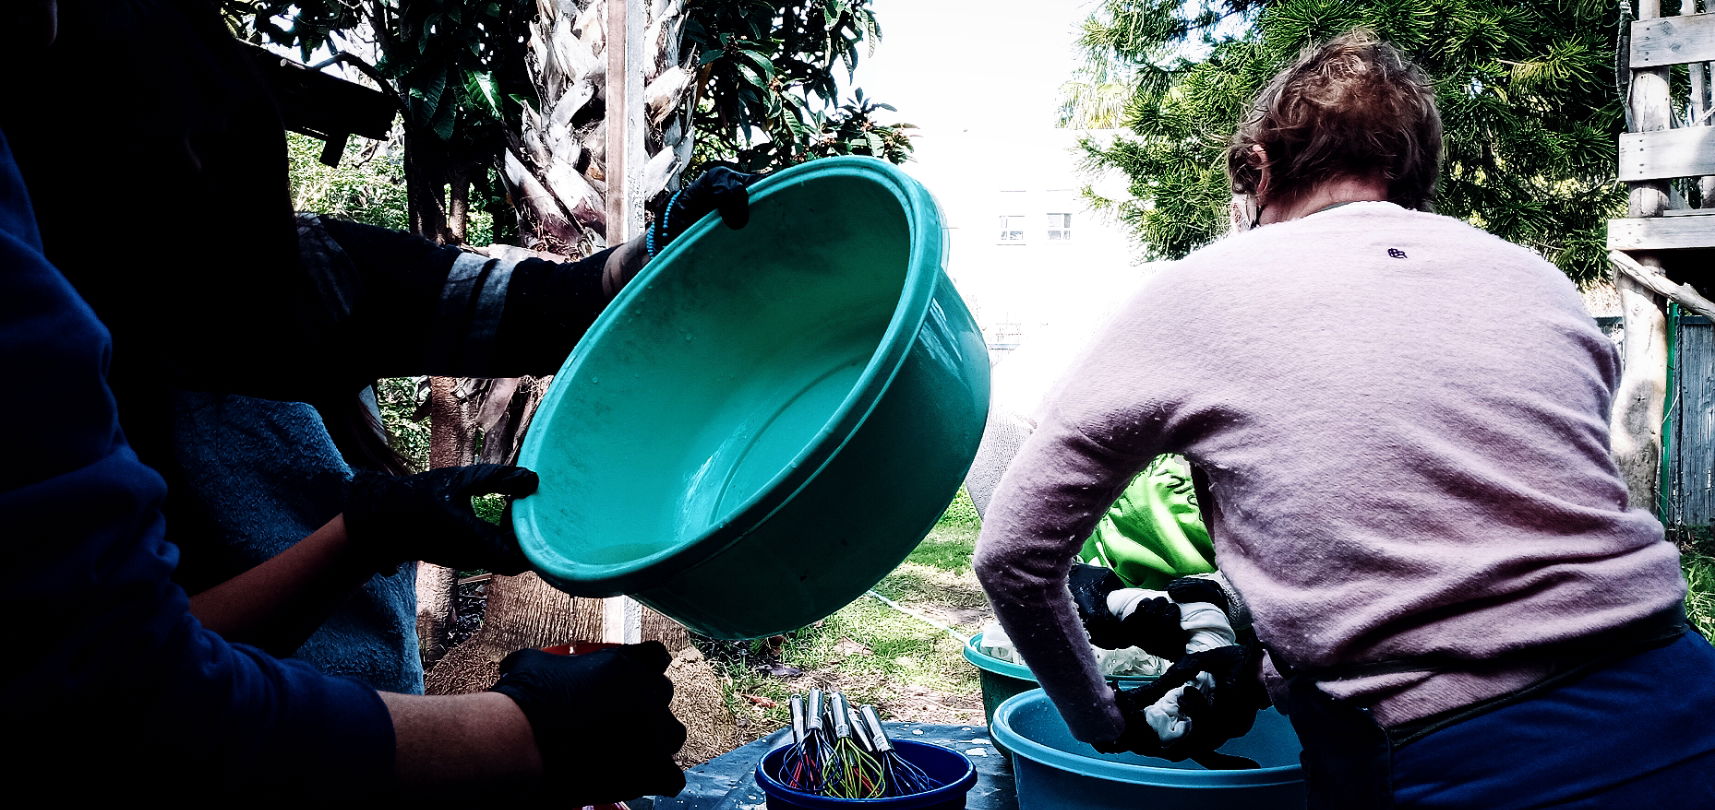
[(196, 259), (244, 334)]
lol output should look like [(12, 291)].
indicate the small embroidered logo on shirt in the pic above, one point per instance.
[(1396, 253)]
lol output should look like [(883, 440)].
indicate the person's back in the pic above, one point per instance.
[(1404, 425), (1395, 448)]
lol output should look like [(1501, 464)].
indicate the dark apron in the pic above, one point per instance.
[(1347, 756)]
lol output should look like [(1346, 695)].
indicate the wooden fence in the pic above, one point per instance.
[(1688, 430)]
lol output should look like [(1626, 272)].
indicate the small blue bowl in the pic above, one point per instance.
[(952, 769), (1055, 770)]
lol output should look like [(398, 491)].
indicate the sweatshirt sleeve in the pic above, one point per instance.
[(391, 304), (1116, 410), (113, 684)]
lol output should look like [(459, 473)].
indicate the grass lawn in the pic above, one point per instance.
[(905, 665), (1697, 558)]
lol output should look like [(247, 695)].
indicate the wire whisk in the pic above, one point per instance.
[(805, 764), (844, 753), (856, 773), (901, 776)]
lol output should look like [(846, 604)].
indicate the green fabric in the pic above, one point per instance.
[(1154, 533)]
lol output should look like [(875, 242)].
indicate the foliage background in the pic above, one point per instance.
[(1526, 92), (763, 77)]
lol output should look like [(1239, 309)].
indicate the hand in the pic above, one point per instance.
[(718, 189), (1201, 702), (1116, 616), (600, 720), (428, 517), (1141, 620), (1090, 586)]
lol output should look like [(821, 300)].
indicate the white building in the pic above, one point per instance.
[(1027, 250)]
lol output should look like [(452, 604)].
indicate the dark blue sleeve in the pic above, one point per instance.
[(109, 684)]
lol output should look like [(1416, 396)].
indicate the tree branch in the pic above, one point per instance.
[(1660, 284)]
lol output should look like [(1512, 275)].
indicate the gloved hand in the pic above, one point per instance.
[(1090, 586), (1190, 615), (718, 189), (428, 516), (1201, 702), (600, 720)]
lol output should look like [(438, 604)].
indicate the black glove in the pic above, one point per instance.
[(1217, 711), (428, 517), (718, 189), (1090, 586), (1153, 624), (600, 720)]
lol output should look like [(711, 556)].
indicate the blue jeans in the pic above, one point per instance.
[(1638, 734)]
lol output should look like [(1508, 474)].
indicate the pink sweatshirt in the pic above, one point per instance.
[(1404, 421)]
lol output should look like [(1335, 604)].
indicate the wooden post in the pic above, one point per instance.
[(625, 113), (622, 618), (1642, 394), (1701, 100)]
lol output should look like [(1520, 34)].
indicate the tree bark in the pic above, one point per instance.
[(552, 175), (525, 612), (458, 206), (449, 442), (435, 584), (425, 185), (1642, 395)]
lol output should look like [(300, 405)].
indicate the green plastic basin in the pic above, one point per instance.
[(767, 420)]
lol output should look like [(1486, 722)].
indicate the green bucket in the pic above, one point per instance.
[(767, 420)]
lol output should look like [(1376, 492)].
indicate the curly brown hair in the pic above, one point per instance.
[(1353, 107)]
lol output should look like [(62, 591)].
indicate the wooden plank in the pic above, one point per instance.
[(321, 104), (1693, 463), (1640, 398), (625, 113), (1673, 40), (622, 618), (1668, 153), (1661, 233)]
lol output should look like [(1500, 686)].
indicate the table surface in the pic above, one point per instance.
[(728, 782)]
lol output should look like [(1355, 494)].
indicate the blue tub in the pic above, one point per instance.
[(952, 769), (1055, 770)]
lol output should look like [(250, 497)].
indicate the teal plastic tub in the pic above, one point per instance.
[(1054, 770), (767, 420), (1001, 679)]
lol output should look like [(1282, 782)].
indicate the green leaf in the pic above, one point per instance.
[(485, 83), (759, 59), (445, 118)]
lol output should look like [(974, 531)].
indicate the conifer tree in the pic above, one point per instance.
[(1526, 92)]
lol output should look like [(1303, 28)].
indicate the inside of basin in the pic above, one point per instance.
[(723, 370), (1271, 743)]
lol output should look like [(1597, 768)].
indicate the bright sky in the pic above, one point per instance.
[(981, 79), (960, 64)]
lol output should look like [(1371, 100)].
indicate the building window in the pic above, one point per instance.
[(1012, 229), (1059, 227)]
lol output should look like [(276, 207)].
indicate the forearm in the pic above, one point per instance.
[(413, 307), (477, 744), (1048, 502), (278, 604), (622, 265)]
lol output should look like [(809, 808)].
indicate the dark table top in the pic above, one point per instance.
[(728, 782)]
